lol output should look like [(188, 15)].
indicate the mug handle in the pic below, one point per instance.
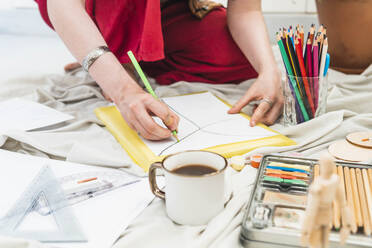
[(152, 179)]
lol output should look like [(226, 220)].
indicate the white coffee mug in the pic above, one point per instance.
[(191, 199)]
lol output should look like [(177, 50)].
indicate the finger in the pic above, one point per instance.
[(106, 96), (273, 114), (143, 132), (129, 119), (254, 108), (149, 124), (258, 115), (247, 98), (71, 66), (138, 127), (172, 121), (161, 110)]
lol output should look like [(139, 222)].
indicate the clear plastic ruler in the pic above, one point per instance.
[(45, 188), (83, 186)]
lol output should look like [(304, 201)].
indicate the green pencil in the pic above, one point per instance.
[(146, 83), (289, 70)]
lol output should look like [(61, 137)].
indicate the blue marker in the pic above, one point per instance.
[(326, 65)]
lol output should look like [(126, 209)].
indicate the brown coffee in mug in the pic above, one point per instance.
[(194, 170)]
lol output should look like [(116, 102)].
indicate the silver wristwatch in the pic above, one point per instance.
[(93, 56)]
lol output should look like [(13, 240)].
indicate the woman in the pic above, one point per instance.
[(174, 40)]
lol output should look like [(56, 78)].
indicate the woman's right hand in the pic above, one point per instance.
[(137, 108), (81, 35)]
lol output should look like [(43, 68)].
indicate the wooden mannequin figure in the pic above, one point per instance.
[(318, 217)]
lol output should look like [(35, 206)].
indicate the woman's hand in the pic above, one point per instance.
[(137, 106), (248, 28), (267, 89), (81, 35)]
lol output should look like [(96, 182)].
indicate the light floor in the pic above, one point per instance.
[(28, 46)]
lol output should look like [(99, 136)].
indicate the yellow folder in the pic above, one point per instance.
[(143, 156)]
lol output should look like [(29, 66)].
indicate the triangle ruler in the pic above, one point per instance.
[(46, 190)]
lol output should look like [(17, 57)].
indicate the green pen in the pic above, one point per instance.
[(146, 83)]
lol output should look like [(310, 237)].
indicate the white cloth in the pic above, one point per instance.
[(84, 140)]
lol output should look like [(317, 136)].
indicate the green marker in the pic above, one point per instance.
[(146, 82), (289, 70)]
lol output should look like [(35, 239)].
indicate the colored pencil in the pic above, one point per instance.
[(363, 202), (302, 35), (293, 166), (350, 199), (297, 73), (308, 61), (312, 31), (304, 76), (305, 48), (315, 75), (299, 115), (289, 71), (287, 173), (146, 83), (290, 34), (354, 187), (323, 57), (316, 171), (322, 37), (340, 173), (336, 210), (326, 67), (309, 65), (291, 59), (367, 188), (285, 169)]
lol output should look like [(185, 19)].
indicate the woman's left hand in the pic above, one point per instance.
[(268, 90)]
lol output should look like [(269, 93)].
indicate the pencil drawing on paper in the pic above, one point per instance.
[(204, 122)]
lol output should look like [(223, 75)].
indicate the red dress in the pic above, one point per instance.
[(171, 43)]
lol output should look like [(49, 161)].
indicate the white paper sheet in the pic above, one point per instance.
[(204, 122), (102, 218), (26, 115)]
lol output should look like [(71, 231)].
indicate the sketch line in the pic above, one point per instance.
[(199, 128)]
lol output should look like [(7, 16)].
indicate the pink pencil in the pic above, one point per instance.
[(309, 66), (316, 74)]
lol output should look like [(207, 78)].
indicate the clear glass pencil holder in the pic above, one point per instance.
[(305, 98)]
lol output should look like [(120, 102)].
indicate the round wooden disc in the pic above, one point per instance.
[(344, 150), (361, 139)]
